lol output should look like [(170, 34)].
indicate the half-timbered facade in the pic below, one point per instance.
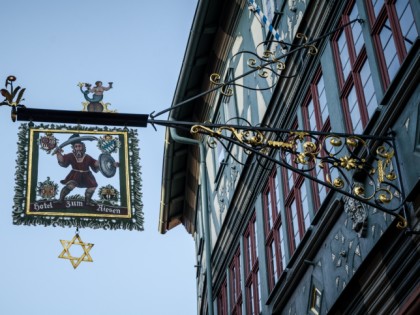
[(270, 240)]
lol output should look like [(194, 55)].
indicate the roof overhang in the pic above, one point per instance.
[(205, 53)]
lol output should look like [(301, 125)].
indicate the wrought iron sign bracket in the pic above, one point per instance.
[(265, 64), (82, 118), (361, 167)]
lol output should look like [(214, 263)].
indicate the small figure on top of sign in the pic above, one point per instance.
[(94, 103), (98, 91)]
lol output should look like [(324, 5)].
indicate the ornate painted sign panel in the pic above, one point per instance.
[(78, 176)]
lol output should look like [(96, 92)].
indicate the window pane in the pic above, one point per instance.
[(368, 89), (238, 276), (311, 116), (408, 27), (377, 5), (221, 302), (356, 30), (255, 242), (354, 111), (276, 188), (251, 299), (234, 288), (289, 173), (282, 247), (269, 210), (273, 262), (305, 206), (322, 100), (322, 191), (249, 253), (295, 224), (344, 55), (389, 49)]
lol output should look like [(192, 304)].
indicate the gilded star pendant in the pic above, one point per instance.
[(75, 261)]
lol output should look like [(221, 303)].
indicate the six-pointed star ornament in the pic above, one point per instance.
[(75, 261)]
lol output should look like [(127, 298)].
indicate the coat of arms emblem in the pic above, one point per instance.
[(47, 189), (108, 144), (109, 194), (48, 142)]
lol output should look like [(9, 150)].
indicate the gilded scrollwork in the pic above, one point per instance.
[(340, 158), (224, 88), (312, 50)]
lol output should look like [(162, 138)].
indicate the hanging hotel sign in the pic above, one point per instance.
[(78, 176)]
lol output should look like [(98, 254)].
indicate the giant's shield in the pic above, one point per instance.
[(107, 165)]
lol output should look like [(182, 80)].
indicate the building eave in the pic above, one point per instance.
[(207, 48), (175, 154)]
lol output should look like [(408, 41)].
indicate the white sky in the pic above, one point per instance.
[(50, 46)]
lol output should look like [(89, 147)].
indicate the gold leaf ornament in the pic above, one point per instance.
[(75, 261)]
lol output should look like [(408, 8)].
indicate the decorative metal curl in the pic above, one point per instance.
[(225, 90), (312, 50), (262, 72)]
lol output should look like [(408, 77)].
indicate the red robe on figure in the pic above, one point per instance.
[(80, 173)]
